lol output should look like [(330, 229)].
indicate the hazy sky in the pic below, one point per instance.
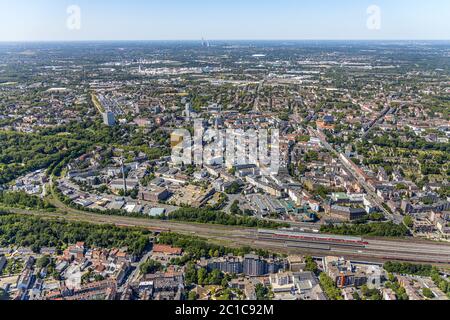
[(24, 20)]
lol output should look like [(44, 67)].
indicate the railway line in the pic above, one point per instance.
[(411, 250)]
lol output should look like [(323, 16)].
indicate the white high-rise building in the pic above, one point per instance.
[(109, 119)]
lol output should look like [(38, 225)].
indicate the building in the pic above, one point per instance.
[(109, 119), (167, 250), (343, 273), (347, 213), (251, 265), (256, 266), (228, 264), (296, 263), (156, 195), (2, 263)]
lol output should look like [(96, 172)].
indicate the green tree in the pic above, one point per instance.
[(150, 266), (408, 221), (262, 292), (192, 296), (311, 265), (427, 293), (43, 261)]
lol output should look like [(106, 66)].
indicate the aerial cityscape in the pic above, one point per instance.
[(225, 170)]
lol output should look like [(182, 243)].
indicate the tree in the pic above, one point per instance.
[(311, 265), (234, 188), (43, 261), (191, 274), (234, 209), (408, 221), (150, 266), (329, 287), (262, 292), (427, 293), (99, 277), (192, 296), (202, 273)]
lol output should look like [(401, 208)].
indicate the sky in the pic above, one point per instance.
[(49, 20)]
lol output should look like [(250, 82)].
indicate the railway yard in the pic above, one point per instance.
[(365, 249)]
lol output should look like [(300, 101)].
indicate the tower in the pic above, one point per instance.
[(123, 175)]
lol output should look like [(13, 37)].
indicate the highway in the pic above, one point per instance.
[(378, 250)]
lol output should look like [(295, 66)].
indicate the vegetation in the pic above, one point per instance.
[(408, 221), (262, 292), (388, 229), (393, 284), (218, 217), (408, 268), (43, 261), (202, 277), (150, 266), (23, 200), (234, 209), (424, 270), (441, 282), (13, 267), (427, 293), (329, 287), (20, 153), (311, 265), (234, 188), (196, 248), (371, 294), (37, 233)]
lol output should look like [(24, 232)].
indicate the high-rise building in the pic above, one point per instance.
[(254, 266), (109, 119), (188, 111)]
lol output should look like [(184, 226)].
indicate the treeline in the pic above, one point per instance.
[(23, 200), (412, 144), (329, 287), (424, 270), (37, 233), (196, 248), (388, 229), (442, 283), (201, 276), (126, 136), (219, 217)]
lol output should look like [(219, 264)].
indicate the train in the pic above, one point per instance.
[(325, 239)]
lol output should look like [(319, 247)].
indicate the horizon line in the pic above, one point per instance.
[(218, 40)]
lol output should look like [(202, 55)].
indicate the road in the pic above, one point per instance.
[(412, 250), (379, 120)]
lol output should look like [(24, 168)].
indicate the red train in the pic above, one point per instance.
[(312, 237)]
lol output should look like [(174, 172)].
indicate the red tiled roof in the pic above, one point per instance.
[(159, 248)]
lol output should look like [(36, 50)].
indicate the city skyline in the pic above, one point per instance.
[(45, 20)]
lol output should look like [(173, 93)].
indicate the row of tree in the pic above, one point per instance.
[(23, 200), (36, 233), (381, 229), (218, 217), (196, 248)]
